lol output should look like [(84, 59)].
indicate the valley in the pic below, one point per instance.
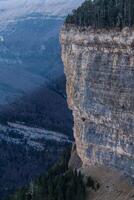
[(29, 56), (27, 152), (35, 122)]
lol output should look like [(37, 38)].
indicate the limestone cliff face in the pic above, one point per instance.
[(99, 66)]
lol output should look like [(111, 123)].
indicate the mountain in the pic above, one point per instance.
[(10, 10), (33, 108), (29, 45), (29, 56)]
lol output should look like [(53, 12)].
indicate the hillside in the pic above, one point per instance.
[(12, 10), (45, 107)]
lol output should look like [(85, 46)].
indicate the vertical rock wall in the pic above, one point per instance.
[(99, 67)]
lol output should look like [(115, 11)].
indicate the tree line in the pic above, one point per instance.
[(103, 14)]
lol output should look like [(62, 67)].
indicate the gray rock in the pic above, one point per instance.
[(99, 66)]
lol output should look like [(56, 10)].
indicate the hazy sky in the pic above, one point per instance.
[(10, 9)]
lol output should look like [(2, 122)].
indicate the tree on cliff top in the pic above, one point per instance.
[(103, 14)]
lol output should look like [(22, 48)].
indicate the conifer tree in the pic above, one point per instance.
[(103, 14)]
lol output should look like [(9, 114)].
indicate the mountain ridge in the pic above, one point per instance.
[(13, 9)]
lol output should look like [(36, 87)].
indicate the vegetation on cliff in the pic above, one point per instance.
[(59, 183), (103, 14)]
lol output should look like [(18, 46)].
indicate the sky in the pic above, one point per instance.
[(12, 9)]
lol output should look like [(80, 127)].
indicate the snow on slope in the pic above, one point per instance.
[(33, 137), (12, 9)]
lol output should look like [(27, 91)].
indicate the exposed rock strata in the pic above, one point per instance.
[(99, 66)]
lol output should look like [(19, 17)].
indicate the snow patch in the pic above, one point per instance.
[(29, 136)]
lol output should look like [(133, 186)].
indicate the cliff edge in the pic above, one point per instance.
[(99, 67)]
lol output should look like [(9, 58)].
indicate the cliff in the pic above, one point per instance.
[(99, 67)]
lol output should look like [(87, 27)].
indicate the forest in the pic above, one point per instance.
[(59, 183), (103, 14)]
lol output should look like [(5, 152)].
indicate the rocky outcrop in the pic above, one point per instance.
[(99, 66), (75, 161)]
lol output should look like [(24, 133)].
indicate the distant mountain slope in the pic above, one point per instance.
[(29, 44), (45, 107), (12, 9), (29, 56), (26, 152)]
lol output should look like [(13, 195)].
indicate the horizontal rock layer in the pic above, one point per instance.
[(99, 66)]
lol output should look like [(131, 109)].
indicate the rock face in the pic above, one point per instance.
[(99, 66)]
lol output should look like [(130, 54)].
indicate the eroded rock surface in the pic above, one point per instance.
[(99, 66)]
